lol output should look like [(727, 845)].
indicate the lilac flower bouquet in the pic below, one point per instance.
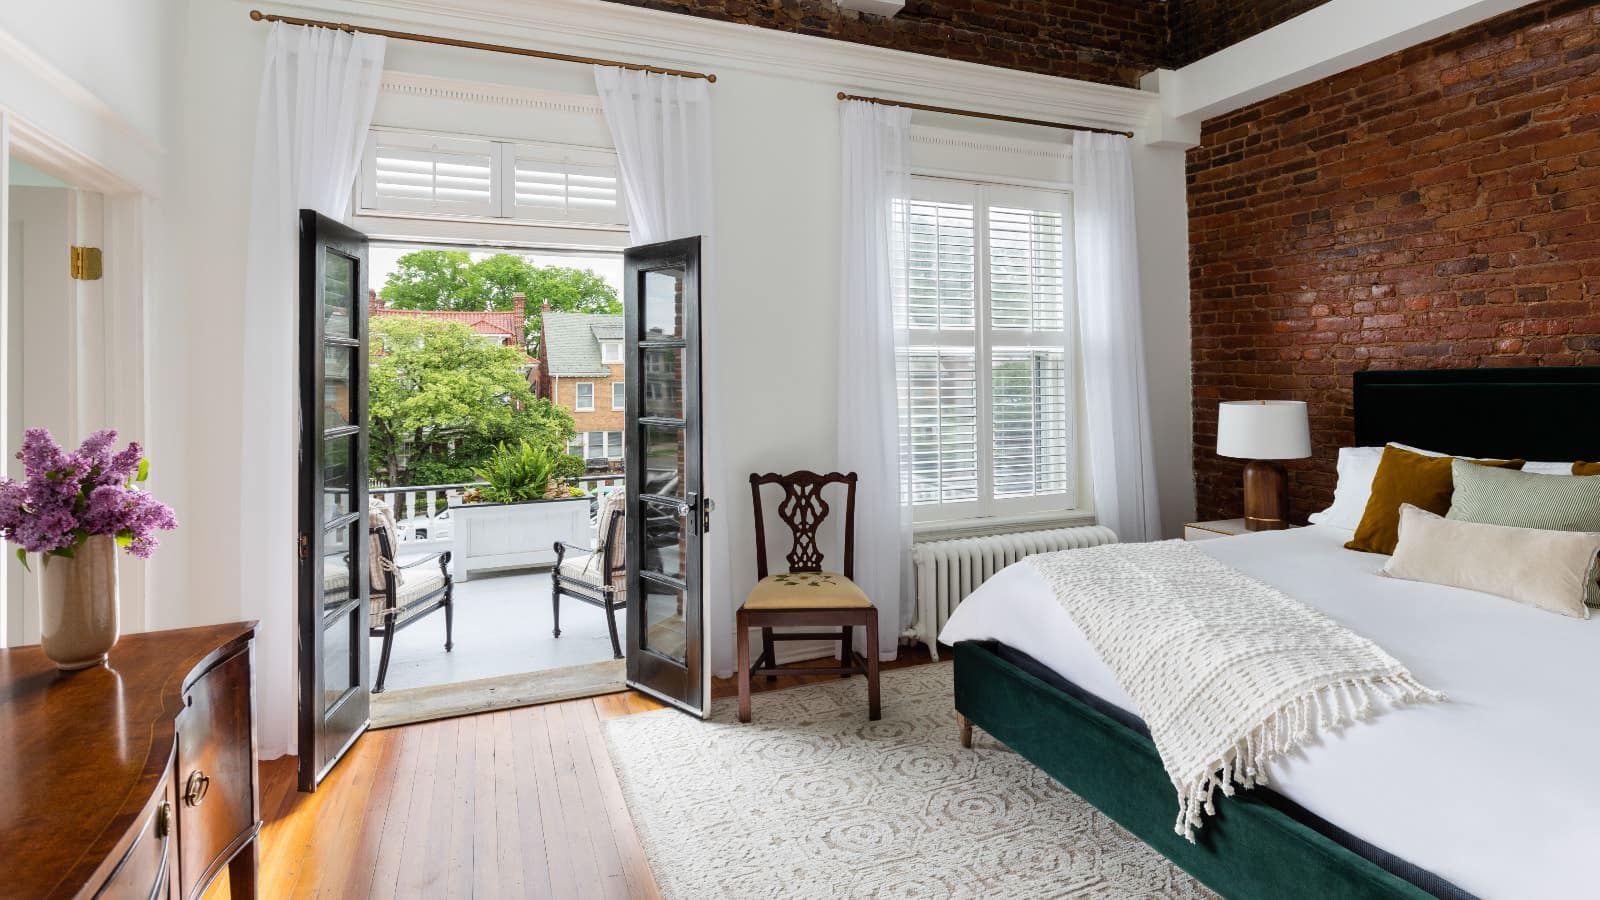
[(67, 497)]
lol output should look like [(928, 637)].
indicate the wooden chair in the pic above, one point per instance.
[(597, 577), (403, 594), (806, 595)]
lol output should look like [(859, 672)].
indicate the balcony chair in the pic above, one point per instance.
[(597, 577), (403, 593), (806, 595)]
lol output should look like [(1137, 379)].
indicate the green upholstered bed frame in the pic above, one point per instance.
[(1250, 849)]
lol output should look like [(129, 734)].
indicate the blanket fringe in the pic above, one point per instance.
[(1324, 708)]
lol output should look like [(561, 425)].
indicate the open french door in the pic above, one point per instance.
[(334, 672), (666, 510)]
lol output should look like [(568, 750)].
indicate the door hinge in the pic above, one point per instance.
[(85, 265), (305, 546)]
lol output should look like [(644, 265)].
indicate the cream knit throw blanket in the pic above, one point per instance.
[(1228, 673)]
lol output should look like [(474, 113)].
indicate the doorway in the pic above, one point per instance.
[(539, 329), (56, 376)]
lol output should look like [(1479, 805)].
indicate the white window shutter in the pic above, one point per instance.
[(427, 174)]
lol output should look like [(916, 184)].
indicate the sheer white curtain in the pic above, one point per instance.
[(318, 89), (661, 126), (877, 190), (1112, 339)]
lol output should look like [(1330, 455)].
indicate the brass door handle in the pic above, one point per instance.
[(195, 788)]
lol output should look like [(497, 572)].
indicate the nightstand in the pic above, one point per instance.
[(1205, 531)]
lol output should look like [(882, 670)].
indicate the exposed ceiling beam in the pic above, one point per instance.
[(1329, 39)]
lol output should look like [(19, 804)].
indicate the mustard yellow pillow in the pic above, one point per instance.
[(1585, 468), (1406, 477)]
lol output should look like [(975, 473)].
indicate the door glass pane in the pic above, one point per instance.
[(337, 456), (338, 658), (663, 382), (665, 630), (336, 364), (663, 460), (338, 294), (663, 303), (338, 576), (666, 540)]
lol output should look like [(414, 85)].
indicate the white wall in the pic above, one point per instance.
[(1159, 189)]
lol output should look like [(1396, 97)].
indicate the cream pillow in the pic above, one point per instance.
[(1553, 570)]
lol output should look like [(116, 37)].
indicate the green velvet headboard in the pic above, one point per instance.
[(1536, 414)]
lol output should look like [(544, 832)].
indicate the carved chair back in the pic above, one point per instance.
[(803, 510)]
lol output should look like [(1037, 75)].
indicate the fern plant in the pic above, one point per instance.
[(518, 473)]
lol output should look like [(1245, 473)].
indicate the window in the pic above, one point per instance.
[(611, 352), (619, 395), (417, 173), (986, 383), (597, 445), (583, 396)]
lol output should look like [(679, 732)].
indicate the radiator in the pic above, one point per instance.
[(947, 571)]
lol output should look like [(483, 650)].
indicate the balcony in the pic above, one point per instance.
[(504, 651)]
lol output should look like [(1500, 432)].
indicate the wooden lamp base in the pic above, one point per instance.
[(1266, 496)]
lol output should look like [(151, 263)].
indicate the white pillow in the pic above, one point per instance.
[(1552, 570), (1356, 468), (1548, 468)]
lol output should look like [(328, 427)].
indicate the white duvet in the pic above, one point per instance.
[(1496, 790)]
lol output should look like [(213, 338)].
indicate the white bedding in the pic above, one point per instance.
[(1496, 790)]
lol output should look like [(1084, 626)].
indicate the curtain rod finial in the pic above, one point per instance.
[(711, 79), (256, 15), (842, 95)]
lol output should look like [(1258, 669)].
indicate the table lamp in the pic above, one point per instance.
[(1263, 431)]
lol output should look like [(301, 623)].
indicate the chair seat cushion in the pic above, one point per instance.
[(419, 583), (807, 590)]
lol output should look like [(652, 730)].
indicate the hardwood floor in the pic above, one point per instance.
[(517, 803)]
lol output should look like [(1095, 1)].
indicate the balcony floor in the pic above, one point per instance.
[(502, 627)]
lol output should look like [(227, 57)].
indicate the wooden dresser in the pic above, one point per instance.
[(132, 779)]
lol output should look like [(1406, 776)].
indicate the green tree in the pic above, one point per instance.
[(434, 279), (452, 280), (441, 399)]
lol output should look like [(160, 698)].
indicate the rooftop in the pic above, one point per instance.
[(572, 341)]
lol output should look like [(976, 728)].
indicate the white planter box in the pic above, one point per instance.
[(491, 536)]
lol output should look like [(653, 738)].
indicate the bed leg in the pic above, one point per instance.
[(966, 730)]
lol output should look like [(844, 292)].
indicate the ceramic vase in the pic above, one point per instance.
[(79, 618)]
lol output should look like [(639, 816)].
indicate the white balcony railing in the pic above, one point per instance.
[(423, 511)]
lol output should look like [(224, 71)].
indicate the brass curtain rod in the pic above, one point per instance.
[(982, 115), (259, 16)]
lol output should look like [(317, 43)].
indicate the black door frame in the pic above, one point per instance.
[(326, 731), (680, 684)]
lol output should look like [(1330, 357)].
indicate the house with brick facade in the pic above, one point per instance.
[(580, 369)]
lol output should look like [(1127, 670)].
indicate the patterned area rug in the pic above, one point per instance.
[(813, 800)]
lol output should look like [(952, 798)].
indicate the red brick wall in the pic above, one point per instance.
[(1436, 208), (1198, 28), (1106, 41)]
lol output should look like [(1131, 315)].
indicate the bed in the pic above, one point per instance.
[(1493, 794)]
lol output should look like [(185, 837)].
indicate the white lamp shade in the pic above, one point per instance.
[(1263, 429)]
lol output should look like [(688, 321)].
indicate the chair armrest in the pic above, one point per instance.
[(424, 559)]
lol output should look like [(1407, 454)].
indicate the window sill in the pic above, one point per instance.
[(960, 528)]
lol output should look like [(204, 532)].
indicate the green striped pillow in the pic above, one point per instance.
[(1524, 499)]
